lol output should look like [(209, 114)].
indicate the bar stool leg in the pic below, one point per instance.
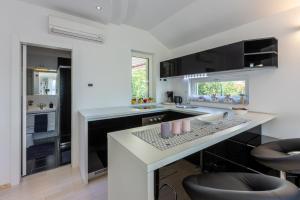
[(298, 181), (283, 175)]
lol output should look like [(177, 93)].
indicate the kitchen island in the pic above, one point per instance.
[(94, 124), (132, 162)]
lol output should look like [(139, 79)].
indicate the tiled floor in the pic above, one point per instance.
[(173, 175), (63, 183)]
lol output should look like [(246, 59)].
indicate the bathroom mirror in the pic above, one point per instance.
[(41, 82)]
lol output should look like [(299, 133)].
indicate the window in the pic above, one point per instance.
[(234, 92), (140, 72)]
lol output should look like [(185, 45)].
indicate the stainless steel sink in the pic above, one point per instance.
[(187, 106), (146, 107)]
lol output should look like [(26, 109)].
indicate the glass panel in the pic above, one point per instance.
[(232, 88), (41, 83), (47, 83), (232, 92), (140, 77)]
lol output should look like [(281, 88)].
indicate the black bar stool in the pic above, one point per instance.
[(239, 186), (281, 155)]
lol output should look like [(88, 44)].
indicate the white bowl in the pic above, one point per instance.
[(240, 112), (210, 118)]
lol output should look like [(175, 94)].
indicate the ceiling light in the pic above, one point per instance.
[(99, 8)]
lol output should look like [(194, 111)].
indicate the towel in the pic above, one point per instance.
[(30, 123), (51, 121), (29, 140), (41, 123)]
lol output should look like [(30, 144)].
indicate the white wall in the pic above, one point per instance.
[(4, 100), (107, 66), (274, 91)]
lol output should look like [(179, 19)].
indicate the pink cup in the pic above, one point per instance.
[(186, 126), (176, 127)]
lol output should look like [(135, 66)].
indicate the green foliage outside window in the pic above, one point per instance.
[(139, 84), (232, 88)]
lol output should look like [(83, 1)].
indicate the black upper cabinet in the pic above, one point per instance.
[(261, 46), (236, 56), (228, 57), (261, 53), (171, 67), (223, 58)]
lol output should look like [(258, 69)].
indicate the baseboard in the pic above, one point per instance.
[(5, 186)]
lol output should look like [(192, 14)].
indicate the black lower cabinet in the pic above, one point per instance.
[(168, 179), (97, 136), (97, 139), (234, 155), (171, 115), (215, 163)]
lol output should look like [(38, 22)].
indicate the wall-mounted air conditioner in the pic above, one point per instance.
[(74, 29)]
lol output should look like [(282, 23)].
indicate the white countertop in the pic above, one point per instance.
[(153, 158), (36, 109), (113, 112)]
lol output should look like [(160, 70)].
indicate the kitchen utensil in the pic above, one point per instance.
[(240, 111), (177, 99), (170, 96), (211, 118), (166, 130), (176, 127), (186, 126)]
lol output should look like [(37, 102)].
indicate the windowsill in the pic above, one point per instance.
[(144, 104), (218, 104)]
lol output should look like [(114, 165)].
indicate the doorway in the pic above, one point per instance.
[(46, 108)]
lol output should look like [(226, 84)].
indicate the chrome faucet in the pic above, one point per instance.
[(42, 106)]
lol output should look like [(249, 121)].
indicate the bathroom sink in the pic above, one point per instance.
[(36, 109)]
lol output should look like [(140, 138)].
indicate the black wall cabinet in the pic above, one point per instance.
[(171, 68), (236, 56)]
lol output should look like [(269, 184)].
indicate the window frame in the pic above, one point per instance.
[(148, 56), (193, 86)]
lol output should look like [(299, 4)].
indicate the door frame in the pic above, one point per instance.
[(16, 99), (24, 54)]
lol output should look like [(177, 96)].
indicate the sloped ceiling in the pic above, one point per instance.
[(173, 22)]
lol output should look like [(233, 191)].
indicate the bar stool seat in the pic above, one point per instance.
[(282, 155), (239, 186)]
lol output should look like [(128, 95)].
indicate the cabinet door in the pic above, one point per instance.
[(209, 60), (97, 138), (234, 56), (228, 57), (193, 64), (171, 68)]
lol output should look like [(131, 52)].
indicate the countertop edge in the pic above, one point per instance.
[(132, 112), (190, 150), (194, 149)]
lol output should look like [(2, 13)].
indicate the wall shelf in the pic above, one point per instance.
[(261, 45), (259, 53)]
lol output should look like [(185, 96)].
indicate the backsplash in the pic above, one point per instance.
[(223, 89)]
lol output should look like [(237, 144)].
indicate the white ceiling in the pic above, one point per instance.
[(173, 22), (203, 18)]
